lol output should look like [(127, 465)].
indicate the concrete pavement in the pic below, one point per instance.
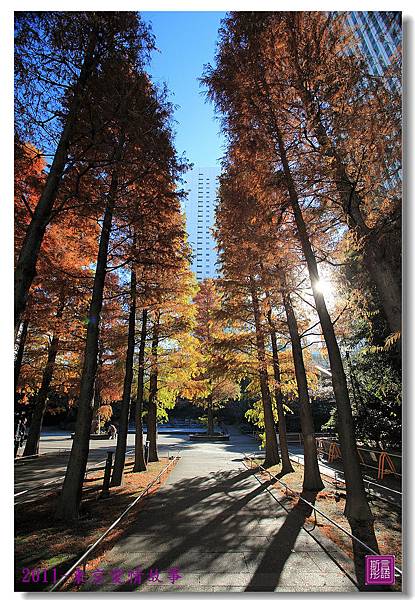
[(32, 473), (217, 527)]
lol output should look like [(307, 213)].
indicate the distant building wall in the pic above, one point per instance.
[(379, 34), (199, 208)]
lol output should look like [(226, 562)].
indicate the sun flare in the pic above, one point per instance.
[(326, 288)]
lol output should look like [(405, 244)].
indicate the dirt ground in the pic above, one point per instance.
[(44, 544)]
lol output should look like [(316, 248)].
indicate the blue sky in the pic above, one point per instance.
[(186, 41)]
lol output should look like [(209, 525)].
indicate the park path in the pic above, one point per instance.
[(221, 530)]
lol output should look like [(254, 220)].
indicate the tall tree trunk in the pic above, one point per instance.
[(312, 478), (383, 275), (152, 398), (139, 462), (20, 351), (357, 509), (210, 429), (282, 425), (96, 405), (32, 443), (26, 264), (70, 499), (272, 456), (375, 255), (96, 402), (117, 473)]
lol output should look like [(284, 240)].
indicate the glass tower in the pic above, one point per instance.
[(379, 34), (200, 218)]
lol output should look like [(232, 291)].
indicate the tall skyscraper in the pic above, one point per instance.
[(200, 217), (379, 34)]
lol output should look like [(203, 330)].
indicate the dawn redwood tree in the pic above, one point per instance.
[(260, 222), (254, 226), (131, 112), (32, 443), (164, 292), (156, 250), (243, 351), (171, 355), (20, 351), (56, 55), (117, 473), (312, 477), (160, 254), (29, 176), (70, 499), (239, 84), (353, 125), (152, 396), (214, 381), (139, 162), (112, 346), (282, 425), (357, 508), (57, 302), (271, 449), (139, 462), (242, 278)]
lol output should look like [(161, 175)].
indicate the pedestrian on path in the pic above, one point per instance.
[(112, 430)]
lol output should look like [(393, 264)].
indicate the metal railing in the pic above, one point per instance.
[(317, 510), (367, 482), (21, 457), (331, 448), (83, 559), (53, 481)]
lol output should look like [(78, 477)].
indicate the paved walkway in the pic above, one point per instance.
[(30, 474), (215, 523)]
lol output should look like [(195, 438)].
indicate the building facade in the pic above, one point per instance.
[(199, 208), (379, 34)]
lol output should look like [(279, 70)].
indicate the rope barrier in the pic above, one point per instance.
[(320, 512), (82, 559)]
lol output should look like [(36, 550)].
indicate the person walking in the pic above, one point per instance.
[(112, 430)]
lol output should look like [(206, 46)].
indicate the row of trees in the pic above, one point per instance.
[(311, 176), (106, 306), (102, 262)]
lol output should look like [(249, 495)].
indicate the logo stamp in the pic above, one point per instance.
[(379, 569)]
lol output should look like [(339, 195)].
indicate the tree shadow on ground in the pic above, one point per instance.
[(201, 500), (205, 518), (279, 550)]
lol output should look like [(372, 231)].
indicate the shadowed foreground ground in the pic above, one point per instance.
[(220, 528)]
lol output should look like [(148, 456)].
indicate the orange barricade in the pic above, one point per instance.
[(334, 452), (390, 468)]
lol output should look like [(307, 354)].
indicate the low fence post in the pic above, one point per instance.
[(146, 451), (107, 475)]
